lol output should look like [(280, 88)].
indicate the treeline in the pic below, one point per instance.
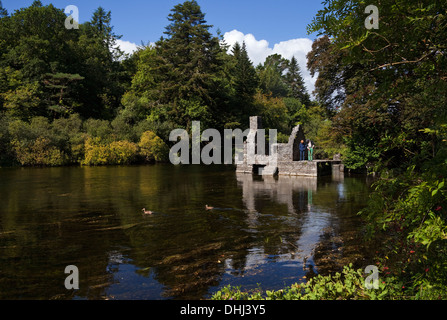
[(64, 93), (386, 89)]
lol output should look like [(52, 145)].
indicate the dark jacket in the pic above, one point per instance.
[(302, 147)]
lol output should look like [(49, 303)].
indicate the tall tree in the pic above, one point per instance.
[(3, 11), (245, 80), (325, 60), (101, 26), (294, 79), (35, 42), (379, 73), (61, 102), (101, 65), (187, 67), (271, 75)]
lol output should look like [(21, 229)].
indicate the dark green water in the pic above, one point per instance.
[(272, 231)]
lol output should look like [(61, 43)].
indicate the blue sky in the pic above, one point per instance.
[(266, 26), (145, 20)]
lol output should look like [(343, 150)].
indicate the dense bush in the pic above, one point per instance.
[(71, 140), (6, 153), (38, 153), (34, 144), (117, 152), (152, 147), (347, 285), (409, 213)]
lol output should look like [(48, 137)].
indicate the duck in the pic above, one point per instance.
[(208, 207), (146, 211)]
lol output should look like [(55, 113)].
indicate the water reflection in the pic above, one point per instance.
[(266, 231)]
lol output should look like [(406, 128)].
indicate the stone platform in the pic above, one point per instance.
[(281, 158), (313, 168)]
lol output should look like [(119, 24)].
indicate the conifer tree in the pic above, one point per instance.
[(186, 67), (271, 75), (295, 81), (245, 80), (3, 11)]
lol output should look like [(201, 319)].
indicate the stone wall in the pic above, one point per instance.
[(284, 158)]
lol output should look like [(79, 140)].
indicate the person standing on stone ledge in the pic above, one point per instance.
[(310, 148), (302, 148)]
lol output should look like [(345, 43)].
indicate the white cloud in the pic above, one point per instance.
[(258, 50), (127, 46)]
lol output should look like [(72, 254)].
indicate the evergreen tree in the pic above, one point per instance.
[(101, 66), (102, 28), (271, 76), (245, 81), (60, 85), (3, 11), (186, 67), (295, 81), (34, 43)]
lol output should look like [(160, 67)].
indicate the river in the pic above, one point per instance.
[(263, 231)]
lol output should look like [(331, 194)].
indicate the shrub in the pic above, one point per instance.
[(122, 152), (34, 144), (99, 129), (96, 154), (67, 135), (6, 153), (408, 212), (38, 153), (116, 152), (347, 285), (152, 148)]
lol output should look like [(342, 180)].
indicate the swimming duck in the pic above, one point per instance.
[(146, 211), (208, 207)]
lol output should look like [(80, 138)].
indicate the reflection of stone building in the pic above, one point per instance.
[(280, 158), (280, 189)]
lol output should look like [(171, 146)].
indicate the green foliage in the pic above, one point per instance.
[(188, 69), (272, 80), (77, 93), (371, 81), (408, 210), (245, 81), (386, 92), (347, 285), (48, 70), (152, 147), (99, 129), (38, 153), (273, 112), (71, 141), (114, 153), (59, 85), (295, 82)]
